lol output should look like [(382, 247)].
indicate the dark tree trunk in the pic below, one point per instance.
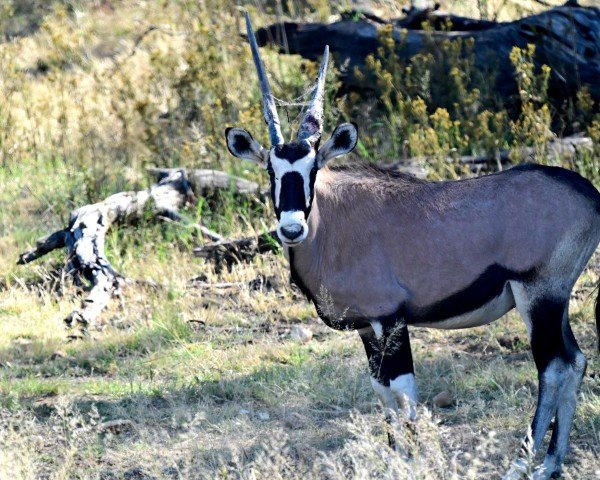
[(567, 38)]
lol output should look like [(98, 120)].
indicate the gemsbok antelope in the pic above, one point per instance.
[(390, 251)]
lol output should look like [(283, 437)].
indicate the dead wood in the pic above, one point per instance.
[(562, 151), (229, 252), (566, 39), (204, 182), (85, 236)]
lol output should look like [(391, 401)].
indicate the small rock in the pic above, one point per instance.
[(59, 354), (263, 416), (244, 411), (295, 421), (116, 426), (443, 399), (301, 334)]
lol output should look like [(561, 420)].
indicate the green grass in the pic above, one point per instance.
[(220, 393), (235, 386), (211, 379)]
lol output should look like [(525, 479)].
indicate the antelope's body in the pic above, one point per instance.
[(378, 251), (443, 254)]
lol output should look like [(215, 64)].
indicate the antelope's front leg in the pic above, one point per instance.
[(387, 346)]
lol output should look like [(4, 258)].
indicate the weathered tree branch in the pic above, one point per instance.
[(562, 150), (567, 39), (229, 252), (85, 235), (204, 182), (43, 246)]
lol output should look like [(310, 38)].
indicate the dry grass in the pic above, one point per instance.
[(211, 379), (215, 386)]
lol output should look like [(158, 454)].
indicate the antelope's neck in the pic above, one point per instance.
[(308, 261)]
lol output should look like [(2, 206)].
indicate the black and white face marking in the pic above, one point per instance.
[(292, 168)]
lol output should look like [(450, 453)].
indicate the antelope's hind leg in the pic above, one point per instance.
[(561, 366)]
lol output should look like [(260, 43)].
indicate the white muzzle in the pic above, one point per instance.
[(292, 228)]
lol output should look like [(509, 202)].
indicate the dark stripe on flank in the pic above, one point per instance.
[(484, 289)]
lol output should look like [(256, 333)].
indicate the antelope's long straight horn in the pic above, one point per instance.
[(312, 123), (269, 109)]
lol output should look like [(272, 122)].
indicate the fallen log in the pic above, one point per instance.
[(204, 182), (567, 39), (84, 237), (230, 252), (560, 151)]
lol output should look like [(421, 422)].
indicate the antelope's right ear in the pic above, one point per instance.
[(241, 144)]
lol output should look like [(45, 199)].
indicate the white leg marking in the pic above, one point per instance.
[(545, 471), (550, 384), (405, 389), (377, 328), (385, 395), (518, 470), (560, 382)]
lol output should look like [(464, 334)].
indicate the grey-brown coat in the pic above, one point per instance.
[(378, 251)]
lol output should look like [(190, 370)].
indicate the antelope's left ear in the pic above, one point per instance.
[(342, 141), (241, 144)]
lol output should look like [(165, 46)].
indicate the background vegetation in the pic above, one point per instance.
[(94, 92)]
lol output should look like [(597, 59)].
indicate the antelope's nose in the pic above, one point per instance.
[(292, 232)]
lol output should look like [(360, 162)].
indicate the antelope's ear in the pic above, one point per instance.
[(241, 144), (342, 141)]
